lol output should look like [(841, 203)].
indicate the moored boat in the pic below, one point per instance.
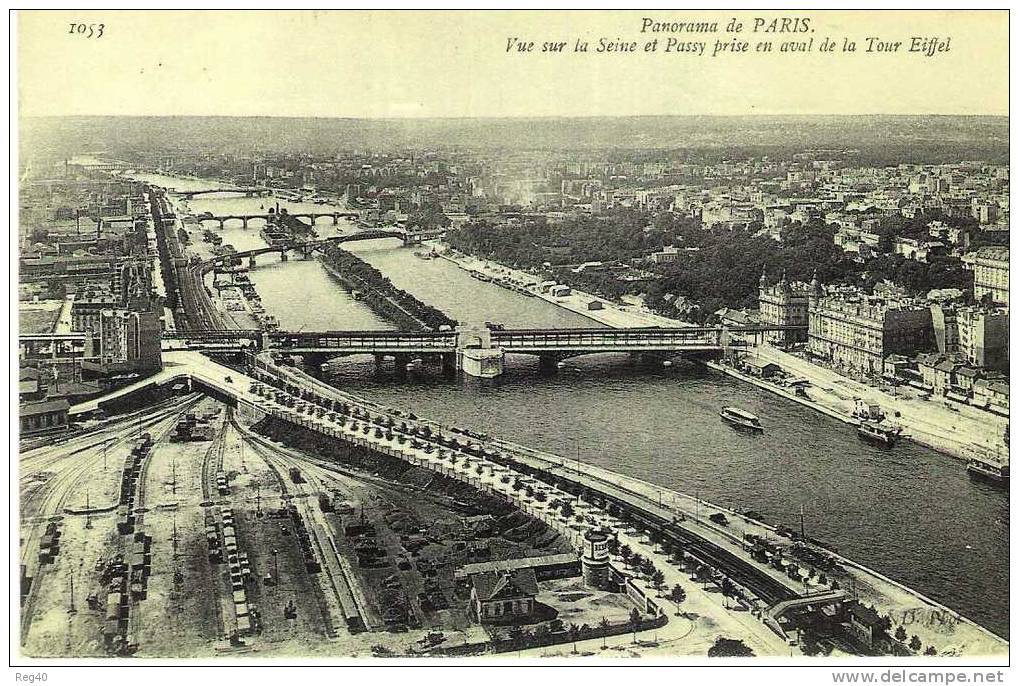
[(988, 469), (881, 434), (740, 419)]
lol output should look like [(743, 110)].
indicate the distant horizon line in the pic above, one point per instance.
[(503, 117)]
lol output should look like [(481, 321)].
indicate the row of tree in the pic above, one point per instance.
[(380, 293)]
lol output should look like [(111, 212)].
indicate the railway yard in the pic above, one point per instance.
[(182, 533), (290, 526)]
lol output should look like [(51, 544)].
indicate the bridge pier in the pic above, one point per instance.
[(485, 363), (222, 224), (244, 222), (400, 364), (283, 256), (251, 261), (336, 219), (549, 362), (448, 364), (314, 363)]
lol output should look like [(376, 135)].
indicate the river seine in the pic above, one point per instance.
[(910, 513)]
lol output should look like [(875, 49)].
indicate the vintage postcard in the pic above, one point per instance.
[(535, 337)]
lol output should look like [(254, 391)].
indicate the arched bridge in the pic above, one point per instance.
[(309, 246), (267, 217)]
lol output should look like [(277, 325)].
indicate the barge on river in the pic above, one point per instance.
[(878, 433)]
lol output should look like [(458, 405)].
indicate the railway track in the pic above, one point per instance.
[(78, 459), (192, 307), (51, 498), (212, 462), (348, 606), (41, 457)]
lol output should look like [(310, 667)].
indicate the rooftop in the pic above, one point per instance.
[(514, 564), (33, 409), (514, 584), (990, 252)]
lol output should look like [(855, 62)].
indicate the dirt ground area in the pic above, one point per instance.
[(403, 531), (176, 616), (56, 630), (103, 488), (576, 603)]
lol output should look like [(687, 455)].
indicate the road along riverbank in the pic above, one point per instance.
[(604, 312), (959, 433)]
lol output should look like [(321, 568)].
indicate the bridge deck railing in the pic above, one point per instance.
[(601, 338), (368, 341)]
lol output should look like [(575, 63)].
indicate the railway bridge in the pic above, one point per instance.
[(308, 247), (476, 350)]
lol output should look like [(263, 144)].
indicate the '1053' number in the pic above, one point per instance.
[(88, 30)]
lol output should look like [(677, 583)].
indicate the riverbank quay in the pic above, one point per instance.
[(934, 624), (961, 433), (610, 314), (239, 312)]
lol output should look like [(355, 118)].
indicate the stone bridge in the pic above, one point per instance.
[(250, 191), (269, 216)]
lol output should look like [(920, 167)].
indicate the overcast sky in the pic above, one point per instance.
[(455, 64)]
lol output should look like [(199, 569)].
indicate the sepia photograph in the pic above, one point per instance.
[(511, 338)]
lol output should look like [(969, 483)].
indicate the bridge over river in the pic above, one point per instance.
[(268, 216), (307, 247), (247, 191), (476, 350)]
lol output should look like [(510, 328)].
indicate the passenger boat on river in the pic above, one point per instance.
[(740, 419)]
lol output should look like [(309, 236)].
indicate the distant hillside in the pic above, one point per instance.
[(935, 137)]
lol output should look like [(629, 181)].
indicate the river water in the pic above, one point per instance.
[(910, 513)]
